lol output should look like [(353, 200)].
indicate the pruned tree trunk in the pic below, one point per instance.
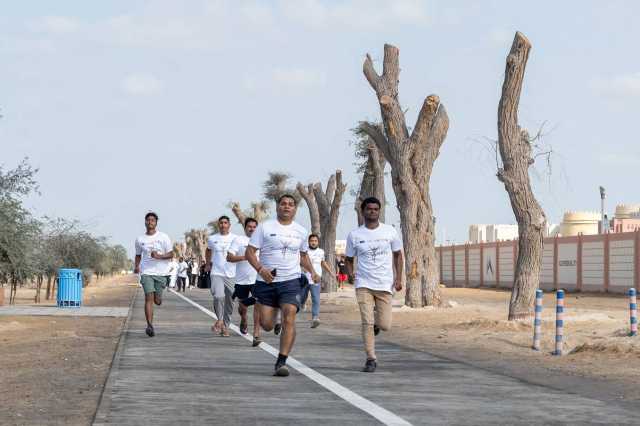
[(309, 197), (515, 151), (372, 184), (329, 211), (237, 211), (411, 157), (48, 294)]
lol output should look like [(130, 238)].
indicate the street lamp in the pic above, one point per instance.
[(602, 196)]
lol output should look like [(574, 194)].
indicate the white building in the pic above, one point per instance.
[(481, 233)]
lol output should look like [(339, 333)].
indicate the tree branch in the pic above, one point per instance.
[(370, 73), (376, 134)]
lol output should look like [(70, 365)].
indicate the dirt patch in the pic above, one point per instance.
[(474, 329), (53, 368)]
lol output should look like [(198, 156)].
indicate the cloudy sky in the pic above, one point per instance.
[(180, 107)]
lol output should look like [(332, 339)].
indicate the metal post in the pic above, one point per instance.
[(537, 322), (559, 322), (633, 312)]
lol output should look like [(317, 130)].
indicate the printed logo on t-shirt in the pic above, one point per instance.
[(374, 252)]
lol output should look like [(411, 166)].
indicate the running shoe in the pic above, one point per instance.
[(277, 329), (225, 331), (376, 330), (281, 370), (150, 331), (315, 323), (370, 366), (256, 341)]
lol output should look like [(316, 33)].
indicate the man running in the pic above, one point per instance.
[(182, 274), (283, 248), (222, 275), (153, 253), (316, 255), (379, 252), (245, 279)]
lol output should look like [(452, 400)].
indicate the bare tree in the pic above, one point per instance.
[(329, 211), (277, 185), (371, 163), (258, 210), (516, 155), (411, 157), (196, 242), (312, 205)]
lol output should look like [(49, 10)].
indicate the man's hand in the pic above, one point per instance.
[(397, 284), (156, 255), (316, 278), (266, 275)]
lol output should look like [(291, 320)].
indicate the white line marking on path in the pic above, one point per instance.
[(385, 416)]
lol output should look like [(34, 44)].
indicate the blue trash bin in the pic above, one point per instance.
[(69, 288)]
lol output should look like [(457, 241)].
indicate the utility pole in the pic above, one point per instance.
[(603, 227)]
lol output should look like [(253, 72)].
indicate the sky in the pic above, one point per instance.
[(182, 107)]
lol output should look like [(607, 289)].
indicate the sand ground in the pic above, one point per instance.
[(53, 368)]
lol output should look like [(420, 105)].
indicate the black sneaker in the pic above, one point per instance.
[(277, 329), (256, 341), (150, 332), (376, 330), (281, 370), (370, 366)]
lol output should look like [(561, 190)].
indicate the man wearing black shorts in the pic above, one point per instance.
[(283, 249), (245, 279)]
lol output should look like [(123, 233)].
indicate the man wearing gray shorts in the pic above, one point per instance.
[(222, 275), (153, 253)]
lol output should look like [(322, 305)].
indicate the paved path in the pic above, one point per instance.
[(186, 375), (84, 311)]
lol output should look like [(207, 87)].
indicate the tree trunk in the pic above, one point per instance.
[(372, 184), (48, 294), (411, 158), (329, 211), (312, 205), (237, 211), (515, 152), (39, 280)]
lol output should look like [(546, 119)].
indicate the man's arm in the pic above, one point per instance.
[(265, 274), (136, 269), (398, 265), (326, 267), (348, 263), (306, 264), (207, 260), (235, 258)]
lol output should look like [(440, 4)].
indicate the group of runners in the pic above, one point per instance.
[(274, 267)]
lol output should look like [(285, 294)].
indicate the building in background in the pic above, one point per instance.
[(491, 233), (575, 223), (341, 247), (626, 219)]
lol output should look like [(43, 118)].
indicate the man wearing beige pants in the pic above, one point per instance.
[(378, 249)]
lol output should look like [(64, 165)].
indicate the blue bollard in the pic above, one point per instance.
[(559, 322)]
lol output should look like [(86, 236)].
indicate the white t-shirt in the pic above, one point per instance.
[(145, 244), (182, 269), (219, 245), (195, 269), (280, 247), (374, 248), (316, 256), (245, 274)]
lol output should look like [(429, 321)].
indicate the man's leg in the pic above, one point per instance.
[(366, 303), (315, 305), (228, 306), (267, 316), (288, 335), (148, 307), (383, 301), (217, 290)]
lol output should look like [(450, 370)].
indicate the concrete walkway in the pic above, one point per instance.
[(186, 375)]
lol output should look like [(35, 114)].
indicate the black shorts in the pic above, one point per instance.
[(243, 291), (277, 294)]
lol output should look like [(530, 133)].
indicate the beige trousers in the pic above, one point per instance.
[(381, 316)]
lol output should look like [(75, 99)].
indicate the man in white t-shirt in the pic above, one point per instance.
[(283, 249), (153, 253), (245, 279), (316, 255), (182, 274), (222, 275), (379, 251), (194, 273)]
